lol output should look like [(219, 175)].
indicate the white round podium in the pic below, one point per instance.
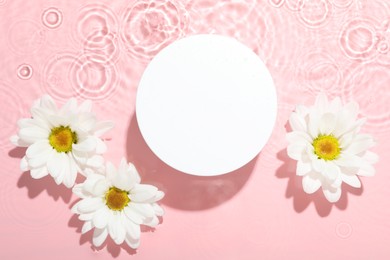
[(206, 105)]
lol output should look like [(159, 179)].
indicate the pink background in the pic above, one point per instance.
[(99, 49)]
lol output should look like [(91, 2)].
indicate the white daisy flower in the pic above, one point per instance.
[(326, 142), (116, 204), (61, 141)]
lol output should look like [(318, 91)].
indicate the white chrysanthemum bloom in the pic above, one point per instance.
[(116, 204), (61, 141), (326, 142)]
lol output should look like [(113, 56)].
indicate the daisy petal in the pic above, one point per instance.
[(70, 171), (318, 164), (348, 160), (295, 151), (48, 103), (351, 180), (39, 172), (101, 217), (110, 171), (327, 123), (302, 110), (332, 196), (159, 195), (370, 157), (133, 215), (361, 144), (59, 179), (331, 171), (52, 165), (95, 161), (145, 209), (157, 209), (99, 236), (86, 227), (79, 191), (15, 140), (335, 105), (120, 230), (41, 158), (89, 205), (313, 123), (24, 164), (366, 169), (303, 168), (85, 217), (33, 134), (310, 185), (299, 138), (101, 146), (297, 123), (133, 243), (86, 106), (100, 188), (87, 145), (102, 127), (86, 121), (346, 139), (133, 230), (142, 192), (152, 222), (70, 106), (124, 179), (352, 110), (114, 226)]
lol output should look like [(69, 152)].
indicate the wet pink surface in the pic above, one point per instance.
[(98, 50)]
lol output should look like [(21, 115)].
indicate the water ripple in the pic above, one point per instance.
[(315, 13), (25, 37), (102, 48), (27, 213), (12, 110), (369, 85), (319, 71), (294, 5), (377, 9), (55, 75), (92, 80), (276, 3), (358, 39), (25, 71), (231, 19), (93, 19), (52, 18), (149, 26), (342, 3)]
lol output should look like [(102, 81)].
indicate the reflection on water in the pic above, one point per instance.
[(370, 87), (149, 26)]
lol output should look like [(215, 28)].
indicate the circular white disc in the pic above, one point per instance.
[(206, 105)]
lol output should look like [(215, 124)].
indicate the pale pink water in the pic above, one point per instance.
[(98, 50)]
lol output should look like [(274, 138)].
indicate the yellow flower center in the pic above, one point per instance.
[(326, 147), (117, 199), (62, 138)]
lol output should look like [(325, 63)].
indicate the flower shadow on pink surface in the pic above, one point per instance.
[(302, 200), (183, 191), (113, 249), (36, 187)]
